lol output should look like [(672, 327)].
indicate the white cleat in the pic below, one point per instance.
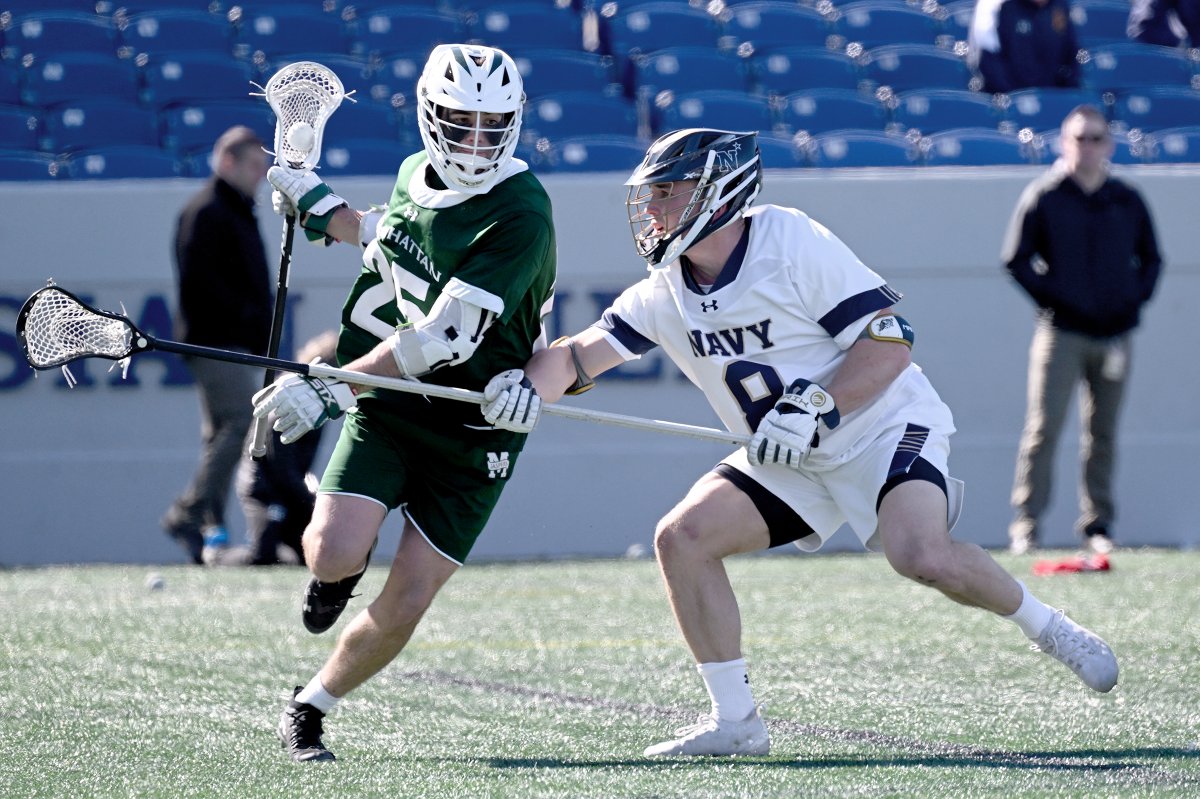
[(1081, 650), (713, 736)]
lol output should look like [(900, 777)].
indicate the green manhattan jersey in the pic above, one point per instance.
[(496, 250)]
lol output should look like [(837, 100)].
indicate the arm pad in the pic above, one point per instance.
[(450, 334)]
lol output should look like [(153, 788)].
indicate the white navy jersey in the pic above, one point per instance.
[(790, 302)]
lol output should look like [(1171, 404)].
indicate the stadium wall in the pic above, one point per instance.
[(85, 473)]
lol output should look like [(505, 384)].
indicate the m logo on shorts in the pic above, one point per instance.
[(497, 464)]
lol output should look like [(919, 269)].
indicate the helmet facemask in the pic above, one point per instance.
[(470, 114), (719, 171)]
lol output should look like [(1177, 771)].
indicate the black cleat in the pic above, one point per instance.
[(300, 732), (324, 602), (186, 534)]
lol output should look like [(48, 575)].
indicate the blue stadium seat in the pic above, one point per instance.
[(874, 23), (1157, 108), (1041, 109), (361, 120), (19, 8), (1100, 22), (687, 69), (723, 109), (393, 30), (122, 162), (551, 71), (290, 29), (861, 148), (781, 153), (1177, 145), (173, 30), (772, 25), (569, 114), (364, 156), (191, 126), (10, 84), (975, 147), (822, 110), (1119, 67), (394, 81), (651, 26), (516, 27), (75, 76), (190, 77), (792, 69), (19, 128), (27, 165), (52, 33), (97, 122), (915, 66), (932, 110), (956, 20), (597, 154)]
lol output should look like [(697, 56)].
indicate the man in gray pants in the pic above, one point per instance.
[(1081, 243), (225, 302)]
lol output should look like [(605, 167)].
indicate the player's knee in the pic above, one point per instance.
[(330, 557), (926, 564), (677, 536)]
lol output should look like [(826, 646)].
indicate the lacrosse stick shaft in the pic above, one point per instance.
[(262, 430), (447, 392)]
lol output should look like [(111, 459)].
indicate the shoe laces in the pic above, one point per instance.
[(705, 723), (1065, 641), (305, 729)]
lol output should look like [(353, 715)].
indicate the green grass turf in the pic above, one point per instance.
[(548, 680)]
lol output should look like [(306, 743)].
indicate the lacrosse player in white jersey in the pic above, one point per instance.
[(793, 340)]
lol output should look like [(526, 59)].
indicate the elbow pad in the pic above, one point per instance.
[(450, 334), (893, 328)]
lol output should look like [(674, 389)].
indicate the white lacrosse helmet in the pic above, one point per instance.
[(469, 150)]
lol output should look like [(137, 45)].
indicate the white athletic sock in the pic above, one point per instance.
[(315, 694), (1033, 615), (728, 686)]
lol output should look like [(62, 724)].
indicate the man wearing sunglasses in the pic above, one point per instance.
[(1081, 243)]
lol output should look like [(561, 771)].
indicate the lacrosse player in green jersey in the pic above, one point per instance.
[(458, 274)]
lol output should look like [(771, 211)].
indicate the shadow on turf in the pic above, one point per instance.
[(1067, 760)]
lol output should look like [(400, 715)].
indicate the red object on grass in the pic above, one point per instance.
[(1073, 565)]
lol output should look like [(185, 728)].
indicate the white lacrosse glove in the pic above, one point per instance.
[(281, 205), (302, 404), (303, 191), (511, 402), (789, 430)]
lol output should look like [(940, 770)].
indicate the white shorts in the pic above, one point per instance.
[(827, 499)]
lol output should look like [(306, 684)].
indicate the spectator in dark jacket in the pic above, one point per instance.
[(1081, 244), (277, 491), (1021, 44), (1165, 22), (224, 301)]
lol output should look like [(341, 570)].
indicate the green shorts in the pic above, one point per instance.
[(448, 477)]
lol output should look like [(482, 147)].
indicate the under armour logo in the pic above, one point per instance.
[(497, 464), (708, 306)]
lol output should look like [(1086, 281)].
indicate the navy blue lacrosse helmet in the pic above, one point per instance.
[(727, 170)]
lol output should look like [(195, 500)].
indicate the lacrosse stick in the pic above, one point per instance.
[(303, 96), (55, 328)]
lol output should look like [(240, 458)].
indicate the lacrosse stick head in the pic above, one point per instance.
[(55, 328), (303, 96)]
